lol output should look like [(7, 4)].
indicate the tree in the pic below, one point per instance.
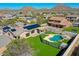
[(17, 47), (41, 20), (20, 12), (53, 14)]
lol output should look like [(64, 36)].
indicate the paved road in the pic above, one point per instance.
[(4, 40)]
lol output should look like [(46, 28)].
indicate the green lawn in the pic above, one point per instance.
[(65, 41), (38, 48), (72, 29), (41, 49), (49, 32)]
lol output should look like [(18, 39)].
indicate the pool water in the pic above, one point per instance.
[(56, 38)]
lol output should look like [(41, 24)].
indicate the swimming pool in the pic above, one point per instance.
[(56, 38)]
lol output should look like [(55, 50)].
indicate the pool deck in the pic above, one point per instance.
[(49, 36)]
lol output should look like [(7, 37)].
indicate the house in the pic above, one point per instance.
[(24, 32), (59, 22), (1, 16), (32, 30), (76, 24), (46, 16), (72, 17), (29, 27), (9, 16), (59, 15), (28, 19), (19, 24), (17, 32)]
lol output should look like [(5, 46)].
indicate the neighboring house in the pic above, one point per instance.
[(20, 15), (76, 24), (8, 16), (59, 15), (30, 19), (47, 16), (59, 22), (72, 17), (23, 32), (19, 24), (1, 16)]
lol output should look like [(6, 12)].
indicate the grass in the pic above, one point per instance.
[(49, 32), (65, 41), (72, 29), (40, 48)]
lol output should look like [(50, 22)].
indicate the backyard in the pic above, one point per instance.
[(40, 48), (37, 48)]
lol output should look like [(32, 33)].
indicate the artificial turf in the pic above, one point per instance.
[(41, 49)]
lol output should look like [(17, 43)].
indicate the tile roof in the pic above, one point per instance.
[(63, 21)]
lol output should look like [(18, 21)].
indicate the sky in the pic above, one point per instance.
[(34, 5)]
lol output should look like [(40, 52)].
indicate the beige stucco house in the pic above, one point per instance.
[(59, 22)]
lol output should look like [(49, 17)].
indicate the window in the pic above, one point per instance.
[(27, 34), (38, 31), (42, 30), (55, 21), (32, 31)]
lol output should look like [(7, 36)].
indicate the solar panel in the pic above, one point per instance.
[(29, 27), (6, 29)]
